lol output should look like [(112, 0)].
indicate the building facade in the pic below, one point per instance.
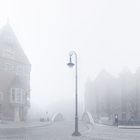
[(14, 77), (108, 96)]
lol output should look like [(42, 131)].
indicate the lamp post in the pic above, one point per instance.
[(70, 64)]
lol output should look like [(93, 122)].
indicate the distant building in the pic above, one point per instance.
[(107, 96), (14, 77)]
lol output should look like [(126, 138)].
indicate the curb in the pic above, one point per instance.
[(128, 127)]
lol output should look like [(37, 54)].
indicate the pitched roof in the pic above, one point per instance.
[(8, 40)]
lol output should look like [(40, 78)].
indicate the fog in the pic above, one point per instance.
[(104, 33)]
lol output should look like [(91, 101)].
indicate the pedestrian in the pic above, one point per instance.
[(116, 119)]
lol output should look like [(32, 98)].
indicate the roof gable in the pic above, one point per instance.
[(10, 44)]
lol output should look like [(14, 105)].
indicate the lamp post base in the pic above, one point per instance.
[(76, 133)]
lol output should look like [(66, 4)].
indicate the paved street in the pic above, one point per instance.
[(63, 131), (56, 131), (102, 132)]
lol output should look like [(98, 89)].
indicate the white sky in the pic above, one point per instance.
[(105, 34)]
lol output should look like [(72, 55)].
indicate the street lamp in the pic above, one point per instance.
[(70, 64)]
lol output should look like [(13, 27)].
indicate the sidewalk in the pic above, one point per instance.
[(12, 125), (102, 132), (128, 127)]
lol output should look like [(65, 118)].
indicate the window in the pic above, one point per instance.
[(1, 96), (13, 94), (9, 67), (17, 95), (19, 69), (8, 52), (23, 98)]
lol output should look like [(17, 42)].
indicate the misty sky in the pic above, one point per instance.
[(104, 33)]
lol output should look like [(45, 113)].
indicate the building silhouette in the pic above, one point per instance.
[(108, 96), (14, 77)]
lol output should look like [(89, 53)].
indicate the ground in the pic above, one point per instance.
[(64, 130), (103, 132)]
